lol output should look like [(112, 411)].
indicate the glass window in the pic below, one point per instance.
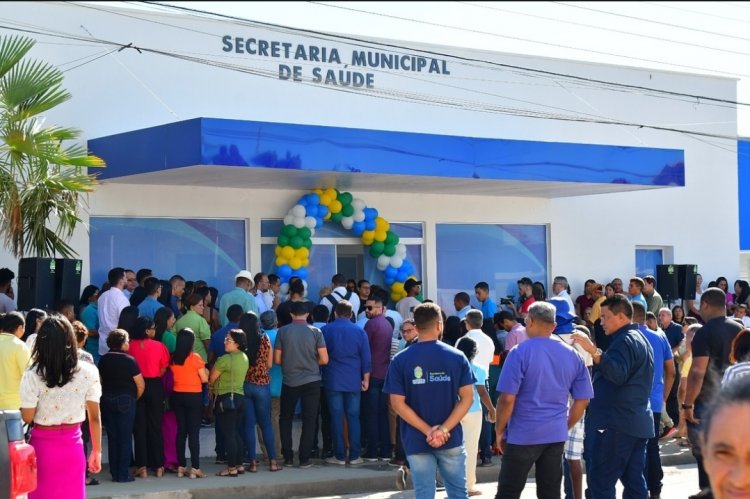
[(646, 260), (209, 249), (498, 254)]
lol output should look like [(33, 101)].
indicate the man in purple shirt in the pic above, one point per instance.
[(345, 377), (379, 334), (534, 385)]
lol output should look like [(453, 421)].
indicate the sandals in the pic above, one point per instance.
[(253, 467), (196, 473), (181, 472), (240, 470), (141, 472), (159, 472), (274, 466), (232, 472)]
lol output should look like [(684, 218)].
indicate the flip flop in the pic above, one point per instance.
[(92, 481)]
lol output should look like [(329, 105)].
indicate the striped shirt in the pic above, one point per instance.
[(735, 371)]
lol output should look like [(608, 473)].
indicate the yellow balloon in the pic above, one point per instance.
[(379, 235), (295, 263), (280, 261), (303, 253), (328, 215), (397, 287), (325, 200), (277, 250), (368, 237), (331, 193), (395, 296), (335, 206), (319, 192), (287, 252), (382, 224), (306, 262)]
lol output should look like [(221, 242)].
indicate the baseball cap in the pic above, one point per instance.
[(244, 274), (563, 316), (410, 283)]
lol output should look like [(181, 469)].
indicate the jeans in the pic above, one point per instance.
[(612, 456), (258, 411), (376, 420), (310, 395), (188, 409), (517, 462), (452, 466), (694, 436), (231, 429), (342, 404), (653, 471), (118, 413)]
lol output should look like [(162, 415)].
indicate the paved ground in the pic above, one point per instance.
[(320, 481)]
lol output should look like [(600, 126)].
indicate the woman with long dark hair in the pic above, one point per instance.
[(189, 372), (127, 319), (88, 313), (227, 377), (210, 313), (164, 322), (56, 392), (32, 323), (122, 386), (257, 391), (741, 292), (152, 358)]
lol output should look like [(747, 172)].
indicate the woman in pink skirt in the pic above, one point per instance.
[(56, 392)]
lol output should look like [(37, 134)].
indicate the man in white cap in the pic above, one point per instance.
[(239, 295)]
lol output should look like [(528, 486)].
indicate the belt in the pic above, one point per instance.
[(67, 426)]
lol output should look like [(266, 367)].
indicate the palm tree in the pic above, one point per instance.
[(41, 181)]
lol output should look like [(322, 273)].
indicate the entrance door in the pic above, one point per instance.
[(350, 261)]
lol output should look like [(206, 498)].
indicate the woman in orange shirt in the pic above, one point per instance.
[(189, 372)]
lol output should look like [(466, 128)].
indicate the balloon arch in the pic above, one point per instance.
[(312, 209)]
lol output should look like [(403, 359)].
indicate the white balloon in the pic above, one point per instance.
[(284, 289), (312, 231), (298, 210), (383, 261), (358, 205), (396, 261), (299, 222), (289, 219), (347, 222), (310, 222), (304, 284), (401, 250), (359, 216)]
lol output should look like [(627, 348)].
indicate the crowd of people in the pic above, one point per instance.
[(547, 381)]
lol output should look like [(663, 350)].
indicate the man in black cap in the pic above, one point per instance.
[(406, 306)]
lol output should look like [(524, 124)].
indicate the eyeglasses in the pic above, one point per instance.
[(410, 330), (370, 307)]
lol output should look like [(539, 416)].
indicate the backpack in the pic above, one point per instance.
[(334, 302)]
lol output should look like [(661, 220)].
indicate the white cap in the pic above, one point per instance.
[(245, 274)]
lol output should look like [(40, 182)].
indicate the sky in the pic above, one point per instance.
[(692, 37)]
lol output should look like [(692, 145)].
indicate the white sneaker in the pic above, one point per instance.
[(333, 460), (354, 462)]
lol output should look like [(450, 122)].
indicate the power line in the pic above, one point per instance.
[(456, 57), (708, 14)]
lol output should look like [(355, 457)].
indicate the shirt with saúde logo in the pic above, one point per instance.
[(429, 374)]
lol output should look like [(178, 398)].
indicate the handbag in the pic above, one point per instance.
[(225, 403)]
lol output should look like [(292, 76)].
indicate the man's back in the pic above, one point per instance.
[(299, 343), (348, 356), (237, 296), (714, 340)]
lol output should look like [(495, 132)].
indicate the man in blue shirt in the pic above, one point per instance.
[(619, 421), (431, 387), (482, 294), (664, 374), (150, 304), (536, 380), (462, 304), (345, 377), (240, 295)]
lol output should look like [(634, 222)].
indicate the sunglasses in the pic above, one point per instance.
[(370, 307)]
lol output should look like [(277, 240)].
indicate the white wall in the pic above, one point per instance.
[(591, 236)]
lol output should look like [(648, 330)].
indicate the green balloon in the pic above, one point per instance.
[(389, 249), (376, 249), (304, 233), (296, 242), (283, 240), (289, 230), (347, 210), (391, 238), (307, 243), (345, 198), (336, 217)]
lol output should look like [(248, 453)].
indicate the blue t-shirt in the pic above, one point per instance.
[(349, 356), (275, 372), (148, 307), (660, 344), (541, 372), (481, 376), (429, 374)]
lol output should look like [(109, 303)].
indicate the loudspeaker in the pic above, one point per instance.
[(666, 282), (68, 282), (36, 283), (686, 281)]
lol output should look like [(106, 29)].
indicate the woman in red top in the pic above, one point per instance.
[(189, 372), (152, 358)]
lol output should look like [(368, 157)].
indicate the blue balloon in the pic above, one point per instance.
[(401, 276), (407, 267), (358, 228), (302, 201), (311, 210), (284, 271), (284, 279), (389, 280), (313, 199), (322, 211), (318, 223), (370, 224), (374, 213), (390, 271), (302, 273), (370, 213)]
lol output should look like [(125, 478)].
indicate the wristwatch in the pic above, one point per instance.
[(687, 406), (597, 354)]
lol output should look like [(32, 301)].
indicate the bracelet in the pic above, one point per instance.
[(687, 406), (444, 430)]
